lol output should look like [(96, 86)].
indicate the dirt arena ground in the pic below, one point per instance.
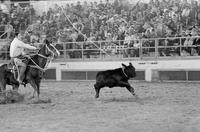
[(166, 107)]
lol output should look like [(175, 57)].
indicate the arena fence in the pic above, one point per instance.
[(158, 59), (140, 49), (154, 48)]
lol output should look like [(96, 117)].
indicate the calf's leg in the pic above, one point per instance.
[(131, 90), (2, 86), (128, 87), (97, 87)]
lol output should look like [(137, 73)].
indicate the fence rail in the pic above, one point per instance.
[(154, 48)]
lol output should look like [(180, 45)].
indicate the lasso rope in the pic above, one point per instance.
[(81, 32), (49, 59)]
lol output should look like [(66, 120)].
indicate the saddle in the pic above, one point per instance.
[(12, 67)]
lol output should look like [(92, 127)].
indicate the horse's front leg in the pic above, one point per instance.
[(35, 88), (37, 82), (33, 95)]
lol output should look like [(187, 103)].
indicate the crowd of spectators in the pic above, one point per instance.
[(15, 18), (105, 20)]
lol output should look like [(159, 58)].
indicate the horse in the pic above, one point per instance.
[(37, 65)]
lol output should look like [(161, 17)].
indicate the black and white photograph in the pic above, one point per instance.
[(99, 65)]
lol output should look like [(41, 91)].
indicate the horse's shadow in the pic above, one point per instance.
[(136, 99)]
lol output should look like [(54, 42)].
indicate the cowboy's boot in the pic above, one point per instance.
[(21, 75)]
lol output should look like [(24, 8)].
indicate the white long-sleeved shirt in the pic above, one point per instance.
[(17, 47)]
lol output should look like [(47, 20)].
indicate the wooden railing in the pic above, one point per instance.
[(153, 48)]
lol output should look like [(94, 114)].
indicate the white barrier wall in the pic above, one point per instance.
[(148, 66), (154, 70)]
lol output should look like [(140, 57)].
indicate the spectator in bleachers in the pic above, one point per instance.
[(99, 12), (107, 20), (8, 30)]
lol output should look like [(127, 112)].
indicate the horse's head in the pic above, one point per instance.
[(49, 50)]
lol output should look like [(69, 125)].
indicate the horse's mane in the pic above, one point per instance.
[(35, 56)]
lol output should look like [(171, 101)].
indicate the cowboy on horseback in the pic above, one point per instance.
[(18, 56)]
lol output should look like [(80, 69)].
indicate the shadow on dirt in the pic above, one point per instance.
[(40, 101), (136, 99)]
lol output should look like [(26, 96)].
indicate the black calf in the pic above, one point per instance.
[(113, 78), (7, 77)]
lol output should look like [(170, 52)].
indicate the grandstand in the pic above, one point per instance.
[(161, 39)]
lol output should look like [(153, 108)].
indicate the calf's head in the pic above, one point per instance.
[(129, 70)]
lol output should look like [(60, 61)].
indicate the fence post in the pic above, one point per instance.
[(64, 50), (156, 48), (180, 46), (120, 50), (148, 74), (58, 73), (101, 53), (82, 50), (140, 51)]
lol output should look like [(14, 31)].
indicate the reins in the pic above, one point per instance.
[(49, 59), (39, 67)]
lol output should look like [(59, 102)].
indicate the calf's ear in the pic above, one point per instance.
[(124, 65), (130, 64)]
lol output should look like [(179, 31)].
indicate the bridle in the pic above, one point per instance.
[(48, 59)]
